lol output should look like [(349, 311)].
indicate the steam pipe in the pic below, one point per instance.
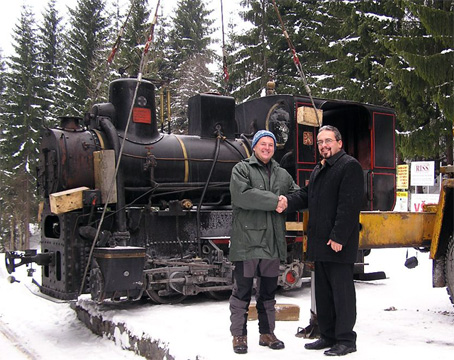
[(215, 159)]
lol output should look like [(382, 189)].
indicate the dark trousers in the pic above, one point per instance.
[(335, 298), (243, 274)]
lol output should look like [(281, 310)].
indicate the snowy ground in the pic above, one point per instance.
[(398, 318)]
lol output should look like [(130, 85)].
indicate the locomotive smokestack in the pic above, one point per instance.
[(123, 96), (69, 122)]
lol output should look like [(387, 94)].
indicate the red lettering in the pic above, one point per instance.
[(422, 168)]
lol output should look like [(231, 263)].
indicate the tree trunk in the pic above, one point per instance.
[(12, 232), (449, 149), (26, 221)]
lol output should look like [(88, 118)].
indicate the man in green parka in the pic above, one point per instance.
[(257, 243)]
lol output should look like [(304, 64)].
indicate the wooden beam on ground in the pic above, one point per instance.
[(284, 312)]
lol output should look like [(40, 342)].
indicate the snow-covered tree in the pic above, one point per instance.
[(19, 132), (51, 50), (87, 51), (190, 55), (136, 26), (422, 75)]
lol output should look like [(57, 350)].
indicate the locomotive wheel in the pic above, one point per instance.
[(219, 295), (171, 299), (449, 269), (96, 285)]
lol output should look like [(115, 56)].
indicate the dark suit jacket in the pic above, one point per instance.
[(334, 198)]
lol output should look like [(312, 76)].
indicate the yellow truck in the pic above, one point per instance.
[(432, 228)]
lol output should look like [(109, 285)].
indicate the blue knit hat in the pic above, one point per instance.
[(261, 133)]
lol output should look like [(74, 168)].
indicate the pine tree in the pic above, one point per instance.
[(350, 52), (136, 28), (88, 48), (249, 63), (2, 82), (423, 80), (19, 132), (387, 52), (51, 52), (262, 53), (159, 64), (191, 31), (189, 42), (3, 232)]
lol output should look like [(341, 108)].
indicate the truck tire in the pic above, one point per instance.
[(449, 270)]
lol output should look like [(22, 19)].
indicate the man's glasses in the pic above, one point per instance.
[(327, 142)]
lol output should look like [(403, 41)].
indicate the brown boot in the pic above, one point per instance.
[(271, 341), (240, 344)]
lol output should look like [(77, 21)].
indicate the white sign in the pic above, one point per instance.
[(418, 200), (422, 173), (401, 201)]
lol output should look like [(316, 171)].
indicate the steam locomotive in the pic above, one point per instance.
[(130, 211)]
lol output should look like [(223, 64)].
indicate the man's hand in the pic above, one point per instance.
[(334, 245), (282, 204)]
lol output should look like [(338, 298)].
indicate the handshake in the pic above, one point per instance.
[(282, 204)]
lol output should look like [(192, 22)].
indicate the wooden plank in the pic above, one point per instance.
[(104, 169), (307, 115), (68, 200), (284, 312)]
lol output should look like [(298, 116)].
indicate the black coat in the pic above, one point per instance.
[(334, 196)]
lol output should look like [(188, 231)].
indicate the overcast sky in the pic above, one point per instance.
[(10, 15)]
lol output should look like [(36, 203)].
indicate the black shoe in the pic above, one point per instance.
[(340, 350), (319, 344)]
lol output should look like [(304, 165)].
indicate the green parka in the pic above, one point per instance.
[(258, 231)]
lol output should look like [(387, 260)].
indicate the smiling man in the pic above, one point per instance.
[(334, 197), (257, 242)]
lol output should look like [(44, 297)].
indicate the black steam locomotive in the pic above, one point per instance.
[(130, 211)]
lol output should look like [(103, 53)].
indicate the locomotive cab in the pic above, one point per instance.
[(367, 134)]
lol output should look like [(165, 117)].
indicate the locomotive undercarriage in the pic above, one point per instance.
[(165, 257)]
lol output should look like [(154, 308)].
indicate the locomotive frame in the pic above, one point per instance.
[(153, 211)]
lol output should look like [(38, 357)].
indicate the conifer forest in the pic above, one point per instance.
[(396, 53)]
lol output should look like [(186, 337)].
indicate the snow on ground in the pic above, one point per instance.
[(398, 317)]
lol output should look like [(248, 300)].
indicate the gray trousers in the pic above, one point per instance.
[(267, 272)]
